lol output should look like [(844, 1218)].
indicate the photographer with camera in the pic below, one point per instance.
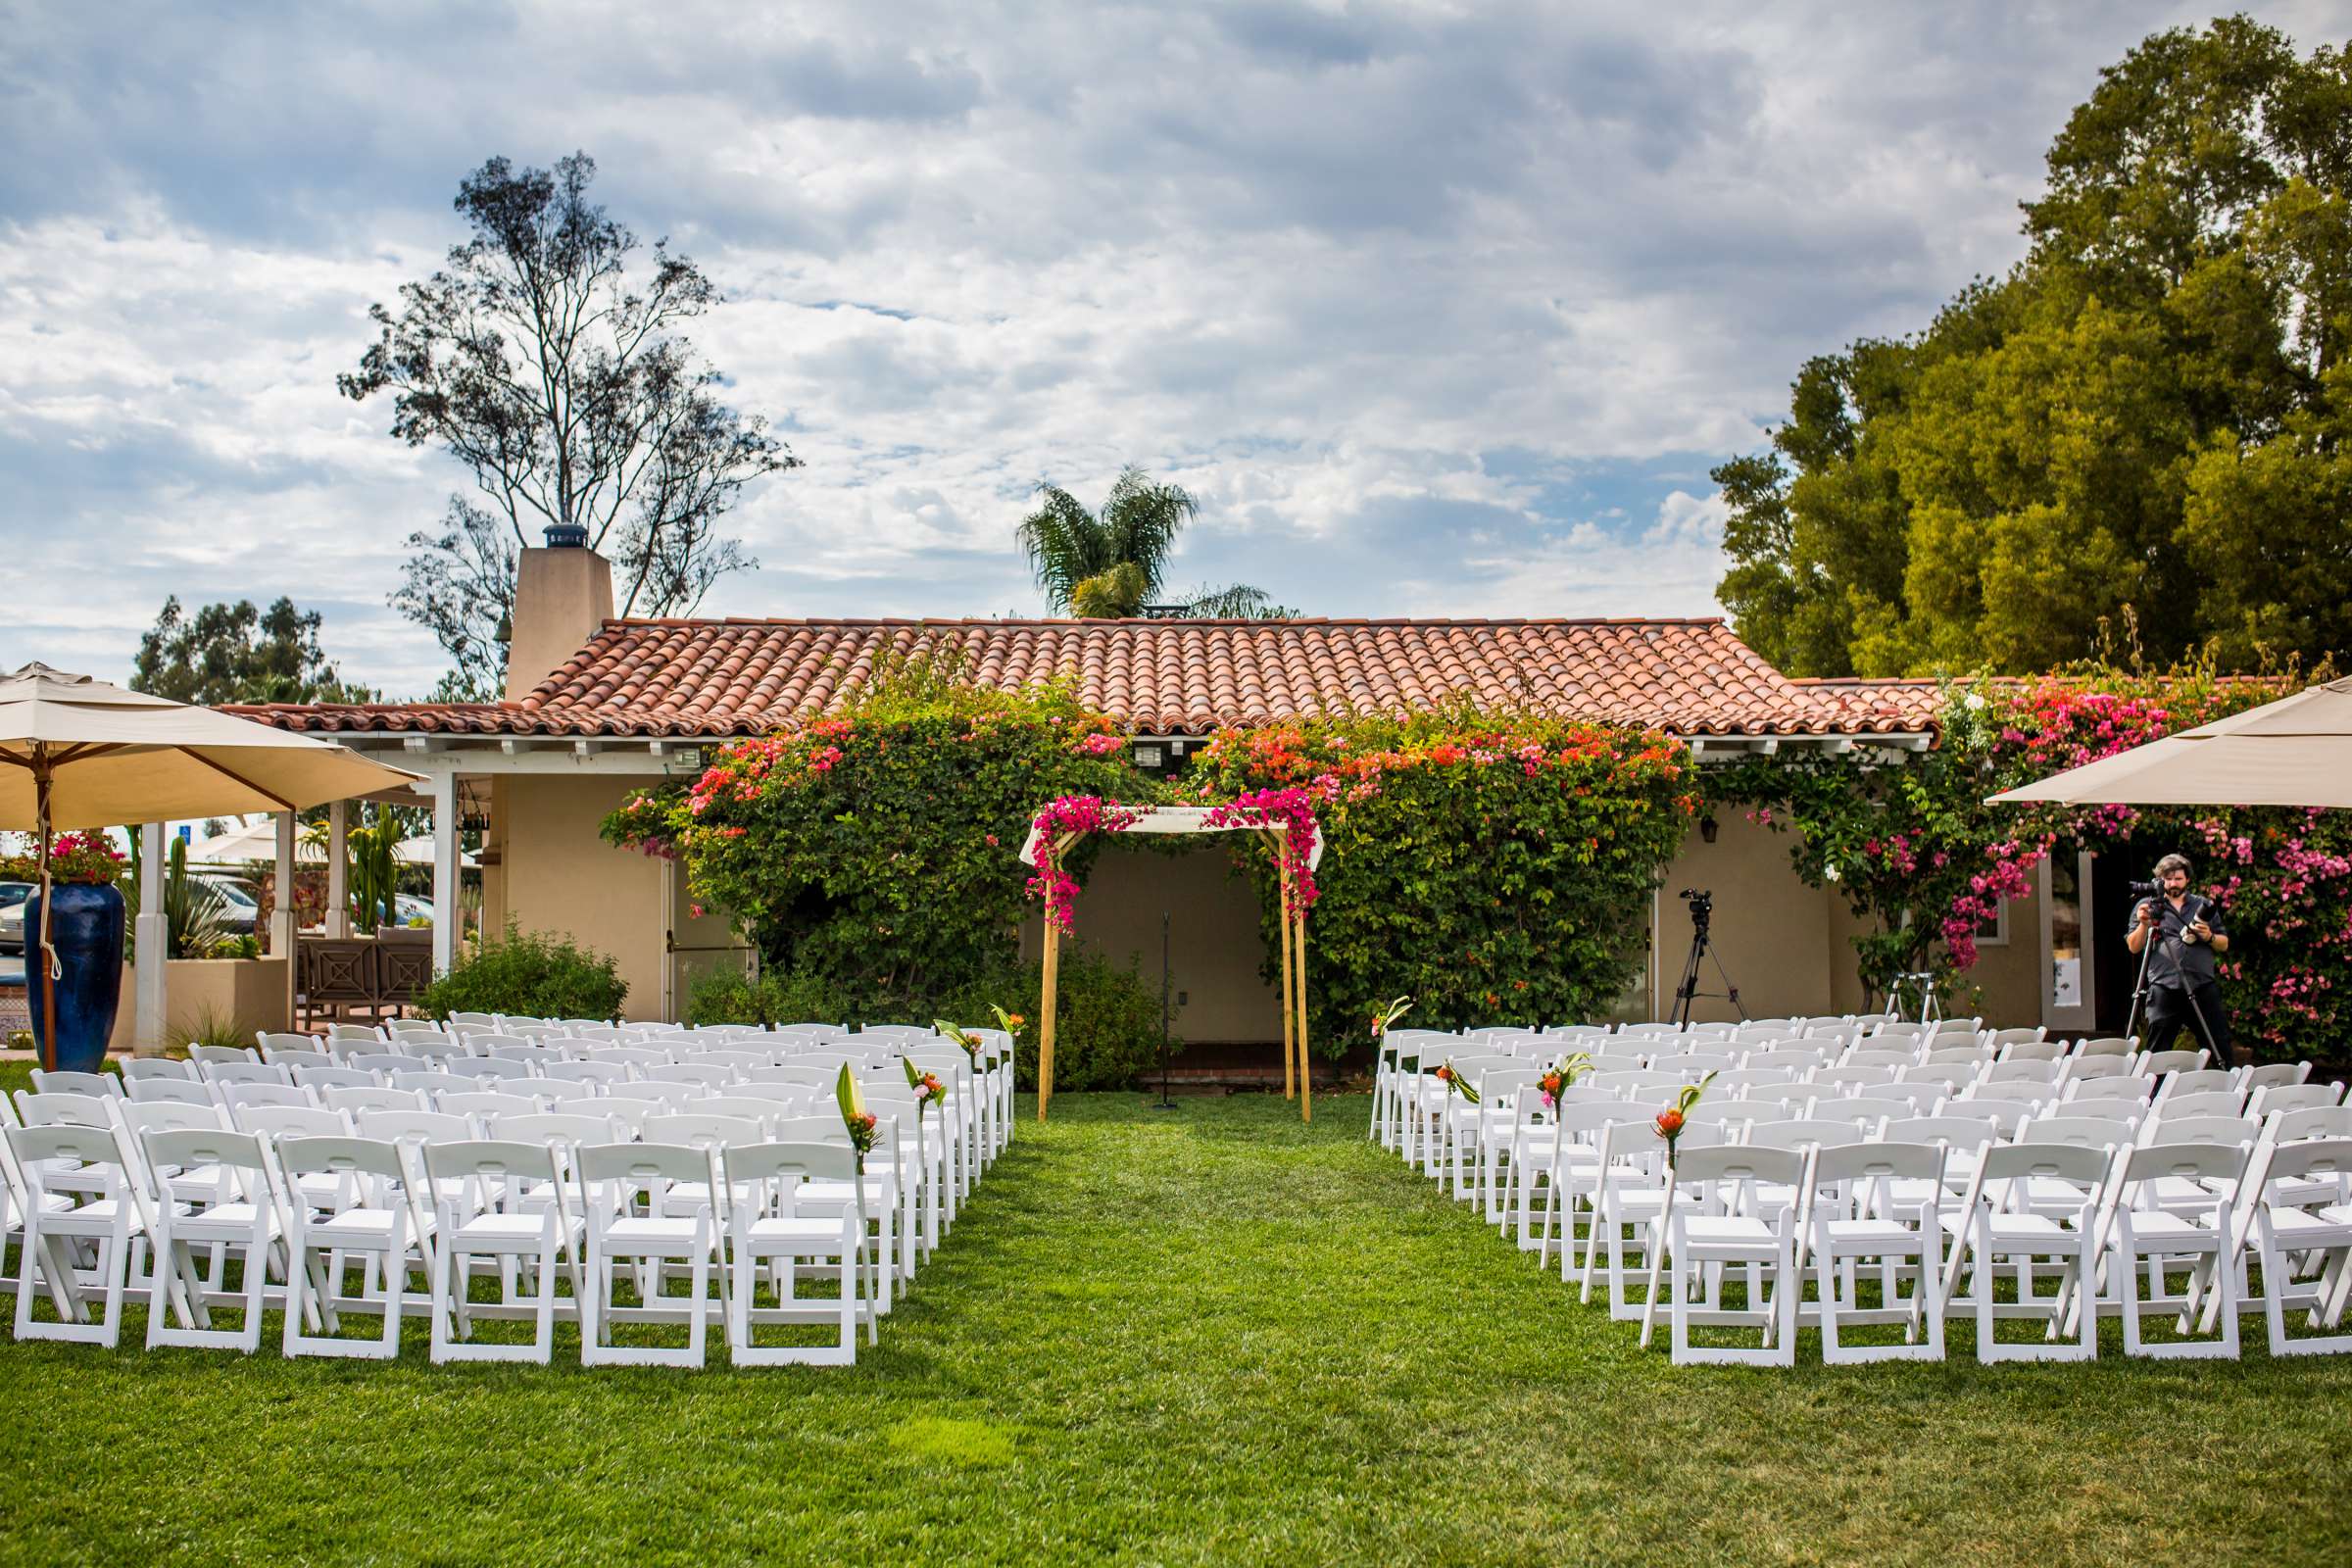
[(2180, 973)]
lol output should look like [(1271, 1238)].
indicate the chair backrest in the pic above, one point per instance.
[(247, 1073), (1738, 1078), (818, 1129), (1866, 1111), (2218, 1102), (222, 1056), (1954, 1132), (699, 1074), (1850, 1080), (237, 1097), (2311, 1122), (35, 1146), (1636, 1081), (2205, 1130), (2199, 1081), (2126, 1091), (2318, 1156), (1784, 1058), (138, 1067), (277, 1046), (2082, 1132), (761, 1162), (774, 1096), (352, 1031), (381, 1062), (746, 1107), (555, 1127), (428, 1047), (485, 1103), (103, 1084), (702, 1130), (2086, 1167), (1967, 1057), (2025, 1094), (585, 1072), (1997, 1037), (414, 1126), (356, 1100), (2022, 1072), (2156, 1063), (2034, 1051), (1878, 1056), (2293, 1096), (65, 1110), (2109, 1046), (2274, 1075), (1878, 1161), (1951, 1077), (1810, 1132), (1742, 1162), (640, 1163), (641, 1056), (2192, 1161), (168, 1091), (340, 1155), (323, 1077), (302, 1121), (2080, 1070), (490, 1158), (676, 1097), (166, 1115), (204, 1145), (489, 1068), (434, 1083)]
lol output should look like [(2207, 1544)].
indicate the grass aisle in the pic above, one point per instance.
[(1206, 1335)]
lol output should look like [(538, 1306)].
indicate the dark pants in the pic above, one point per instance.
[(2170, 1016)]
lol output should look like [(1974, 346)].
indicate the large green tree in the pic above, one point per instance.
[(1110, 563), (2147, 414), (238, 654)]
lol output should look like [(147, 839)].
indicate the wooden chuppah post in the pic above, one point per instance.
[(1282, 868), (1051, 984), (1306, 1093)]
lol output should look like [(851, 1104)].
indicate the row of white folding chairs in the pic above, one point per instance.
[(1928, 1198), (447, 1206), (948, 1137)]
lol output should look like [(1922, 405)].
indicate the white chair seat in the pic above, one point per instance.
[(821, 1233), (1844, 1234), (493, 1230)]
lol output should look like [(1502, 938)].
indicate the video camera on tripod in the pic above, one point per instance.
[(1701, 904)]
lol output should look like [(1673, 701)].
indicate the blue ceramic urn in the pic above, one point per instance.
[(86, 927)]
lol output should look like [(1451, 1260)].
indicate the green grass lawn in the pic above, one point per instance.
[(1205, 1336)]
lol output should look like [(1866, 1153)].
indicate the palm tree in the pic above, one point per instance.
[(1109, 563)]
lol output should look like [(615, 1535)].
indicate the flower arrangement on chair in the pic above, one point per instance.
[(1560, 1075), (928, 1090), (1385, 1018), (1669, 1124), (1010, 1022), (973, 1046), (1455, 1081), (859, 1121)]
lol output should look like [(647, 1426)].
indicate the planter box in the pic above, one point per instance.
[(251, 994)]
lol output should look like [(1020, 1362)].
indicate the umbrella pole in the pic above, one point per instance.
[(44, 954)]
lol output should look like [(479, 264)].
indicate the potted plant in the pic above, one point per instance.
[(84, 928)]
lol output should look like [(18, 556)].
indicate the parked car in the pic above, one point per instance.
[(12, 915), (240, 911), (412, 908)]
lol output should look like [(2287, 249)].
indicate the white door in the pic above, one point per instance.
[(2070, 937)]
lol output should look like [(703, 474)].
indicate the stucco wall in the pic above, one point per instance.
[(559, 875), (1213, 941), (1771, 931)]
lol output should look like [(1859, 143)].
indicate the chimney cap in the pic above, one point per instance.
[(566, 536)]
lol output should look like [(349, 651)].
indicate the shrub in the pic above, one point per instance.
[(766, 999), (530, 974), (1492, 867), (874, 852), (1106, 1036)]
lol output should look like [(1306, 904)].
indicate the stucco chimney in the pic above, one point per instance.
[(563, 593)]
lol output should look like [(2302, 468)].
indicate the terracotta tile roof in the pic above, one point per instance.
[(1906, 703), (705, 679)]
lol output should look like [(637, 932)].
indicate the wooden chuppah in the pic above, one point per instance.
[(1052, 836)]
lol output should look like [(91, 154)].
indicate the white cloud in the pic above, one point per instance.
[(1437, 310)]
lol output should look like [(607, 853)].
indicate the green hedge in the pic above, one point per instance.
[(529, 974)]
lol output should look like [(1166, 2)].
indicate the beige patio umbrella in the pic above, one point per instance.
[(2293, 752), (76, 753)]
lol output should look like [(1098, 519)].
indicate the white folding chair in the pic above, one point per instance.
[(1732, 1225), (372, 1222), (246, 1220), (633, 1221), (101, 1208), (1881, 1202), (1993, 1224), (2297, 1232), (2161, 1235), (549, 1237), (768, 1229)]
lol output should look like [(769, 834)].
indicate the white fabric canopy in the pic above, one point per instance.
[(1172, 820), (119, 756), (259, 842), (2294, 752)]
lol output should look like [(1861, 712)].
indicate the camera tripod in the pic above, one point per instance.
[(1702, 947)]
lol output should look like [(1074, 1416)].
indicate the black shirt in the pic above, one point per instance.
[(2176, 963)]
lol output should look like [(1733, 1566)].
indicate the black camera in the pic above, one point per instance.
[(1702, 905), (2145, 890)]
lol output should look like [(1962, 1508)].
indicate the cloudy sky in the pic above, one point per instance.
[(1439, 308)]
